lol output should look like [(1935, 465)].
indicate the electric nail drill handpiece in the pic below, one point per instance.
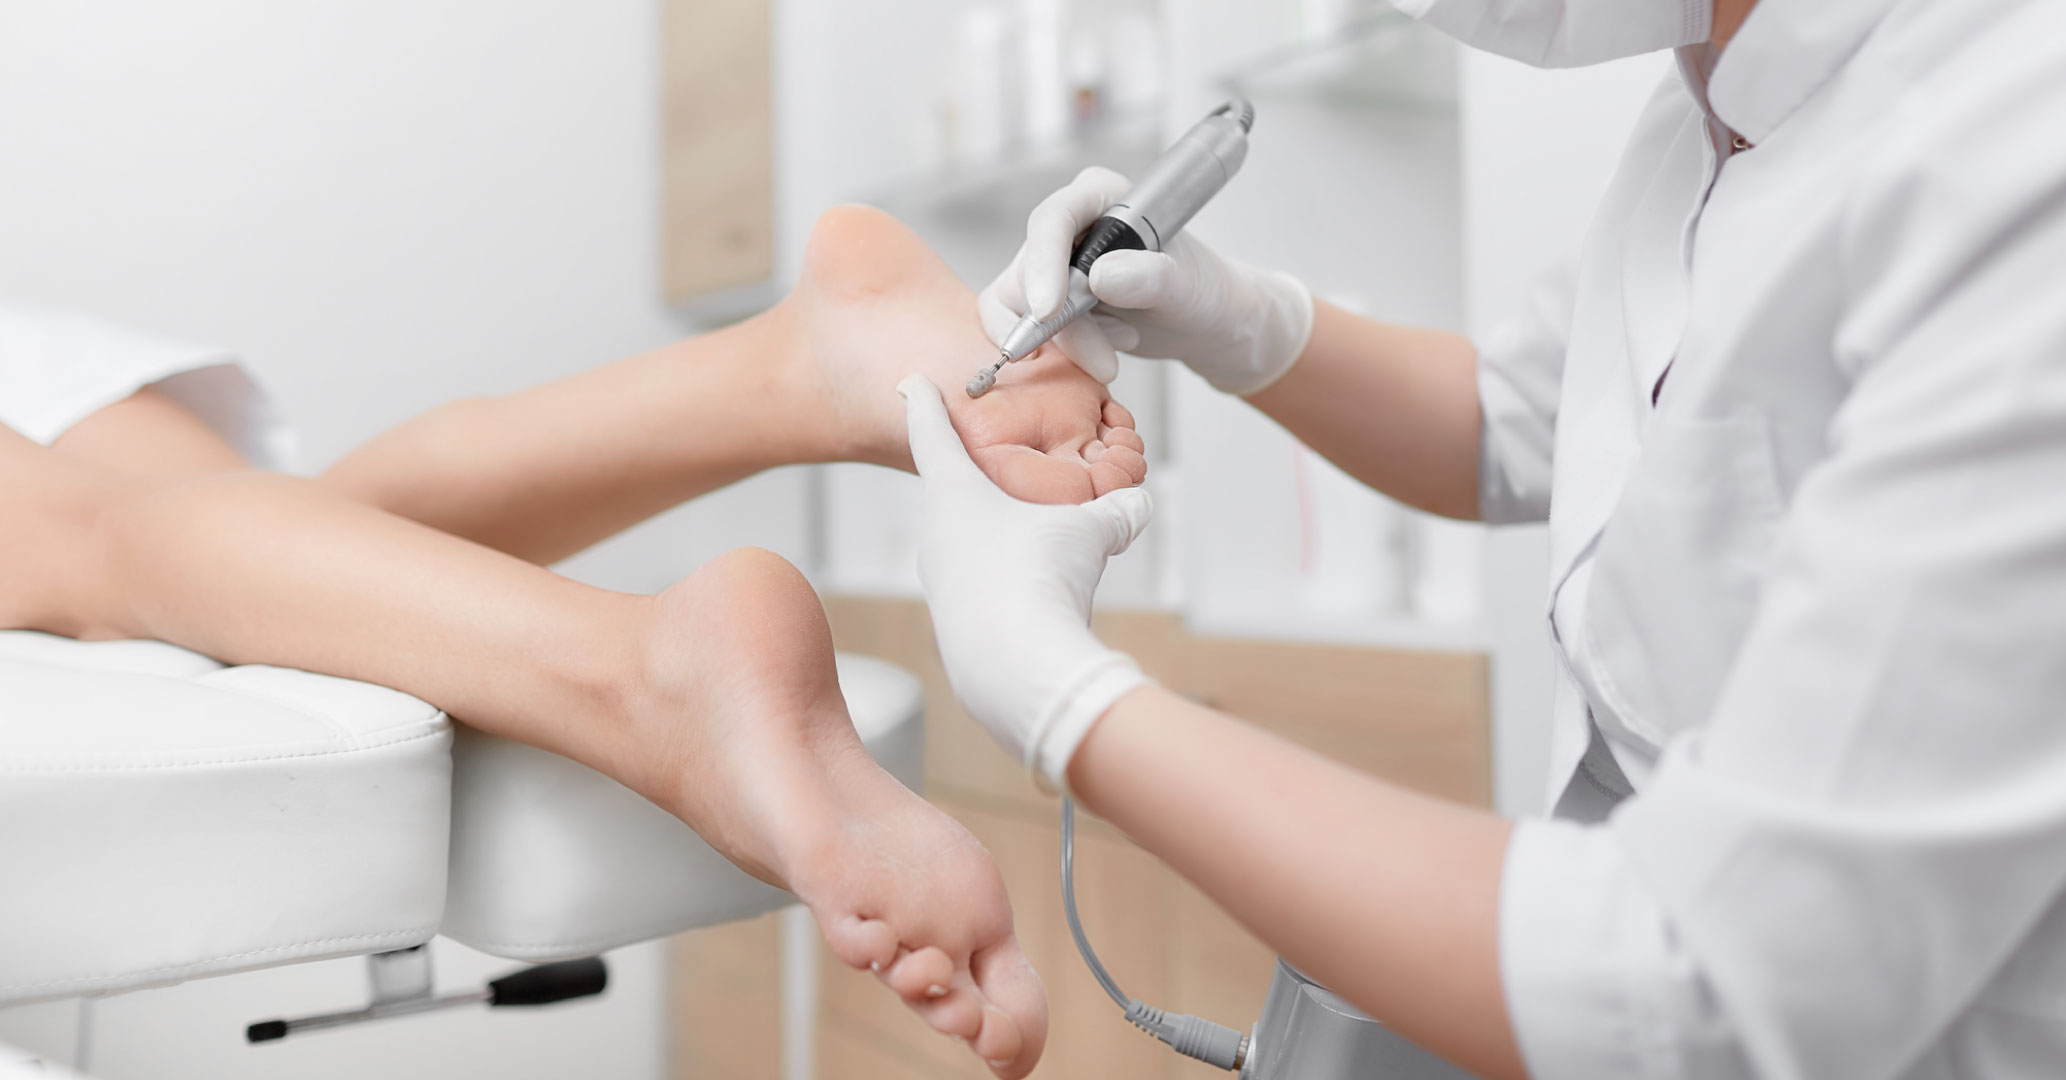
[(1173, 190)]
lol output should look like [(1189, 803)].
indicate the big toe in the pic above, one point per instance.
[(1123, 436), (1117, 415), (1014, 1027)]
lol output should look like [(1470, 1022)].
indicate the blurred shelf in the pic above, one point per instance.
[(1383, 61), (1393, 631), (1001, 190), (723, 307)]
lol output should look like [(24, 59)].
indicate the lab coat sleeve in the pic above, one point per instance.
[(1520, 375), (1845, 861)]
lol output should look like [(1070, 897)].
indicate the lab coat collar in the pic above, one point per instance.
[(1783, 53)]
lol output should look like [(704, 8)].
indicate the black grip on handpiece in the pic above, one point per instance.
[(547, 983), (1105, 234)]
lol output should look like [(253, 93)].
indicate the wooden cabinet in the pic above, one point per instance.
[(717, 151), (1418, 719)]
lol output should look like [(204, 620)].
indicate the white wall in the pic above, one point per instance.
[(383, 205), (1353, 188), (1538, 150)]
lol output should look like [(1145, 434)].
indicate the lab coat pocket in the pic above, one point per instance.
[(1676, 575)]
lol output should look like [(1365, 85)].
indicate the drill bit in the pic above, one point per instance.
[(980, 383)]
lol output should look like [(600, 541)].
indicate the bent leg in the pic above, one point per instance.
[(54, 498), (140, 521), (50, 548), (717, 699), (252, 567), (548, 471)]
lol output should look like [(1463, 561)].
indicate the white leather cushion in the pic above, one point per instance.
[(551, 859), (164, 817)]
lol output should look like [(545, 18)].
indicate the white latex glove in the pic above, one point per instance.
[(1240, 327), (1009, 584)]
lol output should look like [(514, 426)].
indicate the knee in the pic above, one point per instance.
[(60, 573)]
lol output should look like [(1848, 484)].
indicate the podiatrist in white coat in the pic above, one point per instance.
[(1796, 416)]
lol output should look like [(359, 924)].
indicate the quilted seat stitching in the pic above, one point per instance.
[(78, 663), (392, 935), (273, 699), (208, 677), (440, 728)]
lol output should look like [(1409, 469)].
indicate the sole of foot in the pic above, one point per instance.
[(745, 736)]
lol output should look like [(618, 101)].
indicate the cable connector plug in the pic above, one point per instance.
[(1191, 1036)]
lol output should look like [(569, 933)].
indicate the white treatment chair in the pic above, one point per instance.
[(165, 818)]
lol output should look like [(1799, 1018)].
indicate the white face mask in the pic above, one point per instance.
[(1566, 33)]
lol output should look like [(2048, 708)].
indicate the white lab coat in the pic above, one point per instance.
[(1811, 603), (58, 368)]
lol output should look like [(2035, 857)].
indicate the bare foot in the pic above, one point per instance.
[(742, 733), (874, 304)]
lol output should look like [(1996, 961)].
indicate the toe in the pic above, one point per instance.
[(861, 943), (1106, 476), (1015, 1027), (1116, 415), (1123, 436), (958, 1013), (924, 974), (998, 1043), (1127, 459)]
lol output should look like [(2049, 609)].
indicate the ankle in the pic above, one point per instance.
[(846, 412), (808, 421), (611, 679)]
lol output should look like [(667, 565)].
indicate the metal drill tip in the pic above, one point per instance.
[(987, 378)]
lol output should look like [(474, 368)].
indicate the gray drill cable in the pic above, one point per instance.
[(1191, 1036)]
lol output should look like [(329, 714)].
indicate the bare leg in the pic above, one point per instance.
[(55, 505), (546, 472), (148, 435), (716, 699)]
